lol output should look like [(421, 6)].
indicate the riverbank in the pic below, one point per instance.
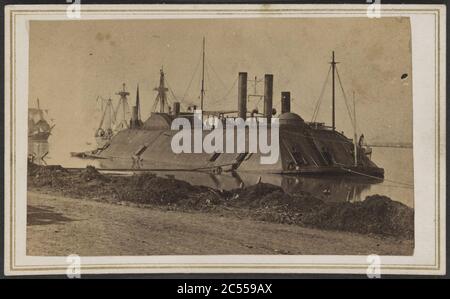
[(60, 225), (377, 215)]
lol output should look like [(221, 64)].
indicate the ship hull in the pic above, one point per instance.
[(41, 136), (151, 150), (102, 142), (121, 164), (301, 150)]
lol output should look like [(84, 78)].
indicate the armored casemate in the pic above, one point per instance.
[(305, 148)]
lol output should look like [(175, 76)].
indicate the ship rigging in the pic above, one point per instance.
[(306, 148), (38, 127), (114, 119), (351, 113)]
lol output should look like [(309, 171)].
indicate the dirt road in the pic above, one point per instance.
[(60, 226)]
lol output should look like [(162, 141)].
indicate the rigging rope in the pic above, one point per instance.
[(345, 99), (231, 88), (155, 103), (381, 179), (259, 101), (192, 78), (184, 104), (217, 75), (171, 91), (319, 100), (206, 86), (208, 65)]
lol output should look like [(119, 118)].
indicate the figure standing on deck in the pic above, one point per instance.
[(361, 142)]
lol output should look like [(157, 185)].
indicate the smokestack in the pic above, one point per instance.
[(135, 121), (176, 108), (285, 102), (268, 95), (138, 105), (134, 117), (242, 95)]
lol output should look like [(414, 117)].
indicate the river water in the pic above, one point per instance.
[(397, 163)]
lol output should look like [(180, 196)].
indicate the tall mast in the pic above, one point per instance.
[(161, 89), (203, 76), (41, 116), (333, 95), (123, 103), (111, 113)]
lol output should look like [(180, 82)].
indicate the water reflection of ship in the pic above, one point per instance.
[(38, 127), (326, 188), (38, 151)]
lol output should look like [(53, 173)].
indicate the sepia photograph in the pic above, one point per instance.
[(183, 135)]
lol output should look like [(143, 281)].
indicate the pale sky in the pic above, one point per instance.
[(73, 62)]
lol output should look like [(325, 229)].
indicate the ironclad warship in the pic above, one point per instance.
[(305, 148)]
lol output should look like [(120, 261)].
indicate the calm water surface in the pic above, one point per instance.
[(397, 163)]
